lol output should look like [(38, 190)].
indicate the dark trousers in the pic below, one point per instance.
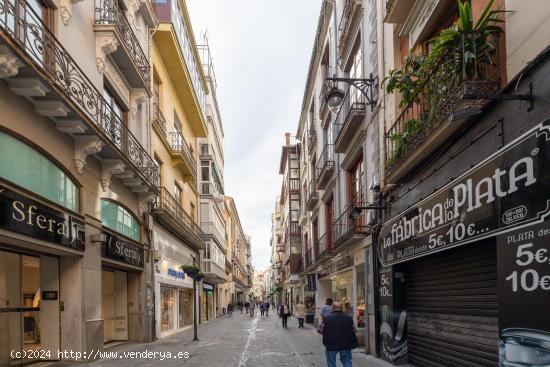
[(300, 322), (262, 311), (285, 320)]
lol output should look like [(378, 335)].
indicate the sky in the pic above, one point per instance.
[(261, 51)]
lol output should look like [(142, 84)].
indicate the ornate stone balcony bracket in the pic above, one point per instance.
[(106, 43), (110, 167), (84, 145), (144, 200), (65, 10), (9, 63)]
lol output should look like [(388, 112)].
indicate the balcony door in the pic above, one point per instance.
[(330, 222), (356, 188)]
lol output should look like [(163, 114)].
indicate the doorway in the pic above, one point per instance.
[(114, 305), (27, 322)]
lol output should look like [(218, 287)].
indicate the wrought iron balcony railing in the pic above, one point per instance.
[(179, 144), (452, 85), (349, 117), (325, 165), (109, 12), (168, 203), (159, 121), (311, 137), (309, 257), (345, 227), (312, 194), (325, 246), (34, 42)]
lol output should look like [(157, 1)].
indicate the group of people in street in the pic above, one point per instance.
[(336, 325), (250, 307)]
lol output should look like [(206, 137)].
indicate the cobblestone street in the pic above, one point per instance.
[(239, 341)]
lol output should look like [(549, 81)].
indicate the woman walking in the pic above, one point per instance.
[(284, 312), (300, 313)]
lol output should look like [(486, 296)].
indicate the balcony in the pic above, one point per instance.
[(325, 166), (323, 106), (312, 195), (433, 115), (349, 119), (111, 23), (212, 231), (171, 213), (311, 138), (347, 230), (37, 67), (349, 23), (159, 121), (182, 154), (213, 273), (309, 257), (397, 11), (325, 247)]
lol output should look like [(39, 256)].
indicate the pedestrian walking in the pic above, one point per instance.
[(300, 313), (284, 313), (230, 309), (240, 304), (339, 336), (326, 309), (267, 309), (247, 306), (262, 308), (252, 307)]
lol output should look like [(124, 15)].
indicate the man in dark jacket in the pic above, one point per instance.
[(339, 336)]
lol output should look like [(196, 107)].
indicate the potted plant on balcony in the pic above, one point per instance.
[(190, 270), (464, 51)]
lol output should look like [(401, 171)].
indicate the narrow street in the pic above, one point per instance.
[(239, 341)]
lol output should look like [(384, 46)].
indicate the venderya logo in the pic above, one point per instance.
[(514, 215)]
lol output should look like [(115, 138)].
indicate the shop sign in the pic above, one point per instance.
[(311, 282), (176, 274), (123, 250), (20, 214), (523, 258), (506, 191), (207, 286)]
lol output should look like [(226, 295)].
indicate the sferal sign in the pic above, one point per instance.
[(507, 190), (21, 214), (119, 249)]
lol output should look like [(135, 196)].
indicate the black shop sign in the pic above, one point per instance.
[(508, 190), (23, 215), (117, 248)]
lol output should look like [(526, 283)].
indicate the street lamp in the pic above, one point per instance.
[(335, 96), (356, 211), (196, 278)]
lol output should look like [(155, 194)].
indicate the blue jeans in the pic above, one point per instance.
[(345, 357)]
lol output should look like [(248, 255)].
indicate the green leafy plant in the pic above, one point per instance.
[(190, 269)]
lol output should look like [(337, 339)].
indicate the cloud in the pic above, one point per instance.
[(261, 51)]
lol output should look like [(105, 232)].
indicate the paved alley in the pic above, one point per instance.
[(238, 341)]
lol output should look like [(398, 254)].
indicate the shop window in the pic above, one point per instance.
[(119, 219), (28, 168)]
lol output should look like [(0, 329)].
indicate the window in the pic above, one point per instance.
[(356, 182), (119, 219), (28, 168), (114, 105), (177, 193), (158, 163), (356, 72), (205, 171), (156, 91), (114, 117)]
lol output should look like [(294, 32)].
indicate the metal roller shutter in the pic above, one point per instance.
[(452, 308)]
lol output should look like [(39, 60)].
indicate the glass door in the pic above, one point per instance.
[(19, 307)]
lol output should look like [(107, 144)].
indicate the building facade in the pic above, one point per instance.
[(178, 120), (465, 205), (77, 176)]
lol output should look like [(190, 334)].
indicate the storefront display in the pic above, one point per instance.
[(309, 298), (207, 302), (167, 309), (342, 290), (360, 284)]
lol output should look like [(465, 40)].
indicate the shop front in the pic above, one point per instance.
[(464, 272), (121, 268), (309, 297), (174, 289), (208, 304), (33, 236)]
